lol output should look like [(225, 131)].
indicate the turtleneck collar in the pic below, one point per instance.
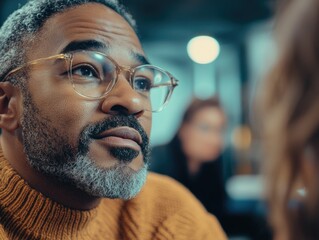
[(25, 210)]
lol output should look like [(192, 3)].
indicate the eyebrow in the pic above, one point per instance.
[(100, 46), (139, 57), (85, 45)]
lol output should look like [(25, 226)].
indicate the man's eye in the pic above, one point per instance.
[(142, 84), (86, 71)]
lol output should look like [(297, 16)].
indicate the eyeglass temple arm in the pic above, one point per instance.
[(174, 84), (34, 62)]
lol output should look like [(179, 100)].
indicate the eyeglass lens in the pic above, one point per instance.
[(93, 75)]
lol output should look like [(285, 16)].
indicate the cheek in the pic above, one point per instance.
[(196, 138), (63, 108), (146, 122), (202, 144), (210, 144), (191, 141), (213, 139), (70, 118)]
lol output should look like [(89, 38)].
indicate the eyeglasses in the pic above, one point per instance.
[(93, 75), (207, 129)]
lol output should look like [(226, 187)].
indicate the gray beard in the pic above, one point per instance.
[(119, 181), (48, 150)]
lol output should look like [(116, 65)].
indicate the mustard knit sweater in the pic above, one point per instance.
[(162, 210)]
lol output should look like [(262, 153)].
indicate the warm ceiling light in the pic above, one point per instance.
[(203, 49)]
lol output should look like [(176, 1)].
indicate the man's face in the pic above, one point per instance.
[(101, 146)]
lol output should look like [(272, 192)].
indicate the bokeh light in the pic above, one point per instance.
[(242, 138), (203, 49)]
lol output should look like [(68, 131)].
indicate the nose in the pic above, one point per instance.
[(123, 99)]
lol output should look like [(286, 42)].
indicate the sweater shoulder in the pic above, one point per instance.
[(167, 187), (3, 235), (181, 213), (169, 194)]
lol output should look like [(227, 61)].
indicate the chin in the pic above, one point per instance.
[(210, 158)]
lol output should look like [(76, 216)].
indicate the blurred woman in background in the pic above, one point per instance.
[(193, 157), (290, 117)]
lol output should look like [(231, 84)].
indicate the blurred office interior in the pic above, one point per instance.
[(243, 29)]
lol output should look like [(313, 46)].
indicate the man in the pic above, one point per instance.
[(75, 114)]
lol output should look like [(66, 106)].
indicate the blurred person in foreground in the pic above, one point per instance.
[(75, 114), (289, 106), (193, 157)]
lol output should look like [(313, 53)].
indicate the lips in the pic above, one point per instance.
[(123, 133)]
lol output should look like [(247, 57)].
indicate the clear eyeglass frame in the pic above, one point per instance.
[(169, 85)]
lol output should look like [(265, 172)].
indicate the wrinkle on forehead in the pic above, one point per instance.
[(79, 23), (103, 28)]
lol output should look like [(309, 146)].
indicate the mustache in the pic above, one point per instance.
[(93, 130)]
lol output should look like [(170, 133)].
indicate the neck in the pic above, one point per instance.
[(62, 193), (193, 166)]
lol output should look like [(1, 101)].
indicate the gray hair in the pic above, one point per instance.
[(22, 26)]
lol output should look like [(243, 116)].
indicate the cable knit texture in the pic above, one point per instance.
[(162, 210)]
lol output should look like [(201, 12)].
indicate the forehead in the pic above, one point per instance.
[(86, 23), (209, 114)]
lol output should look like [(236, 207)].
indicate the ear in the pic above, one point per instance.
[(9, 106)]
